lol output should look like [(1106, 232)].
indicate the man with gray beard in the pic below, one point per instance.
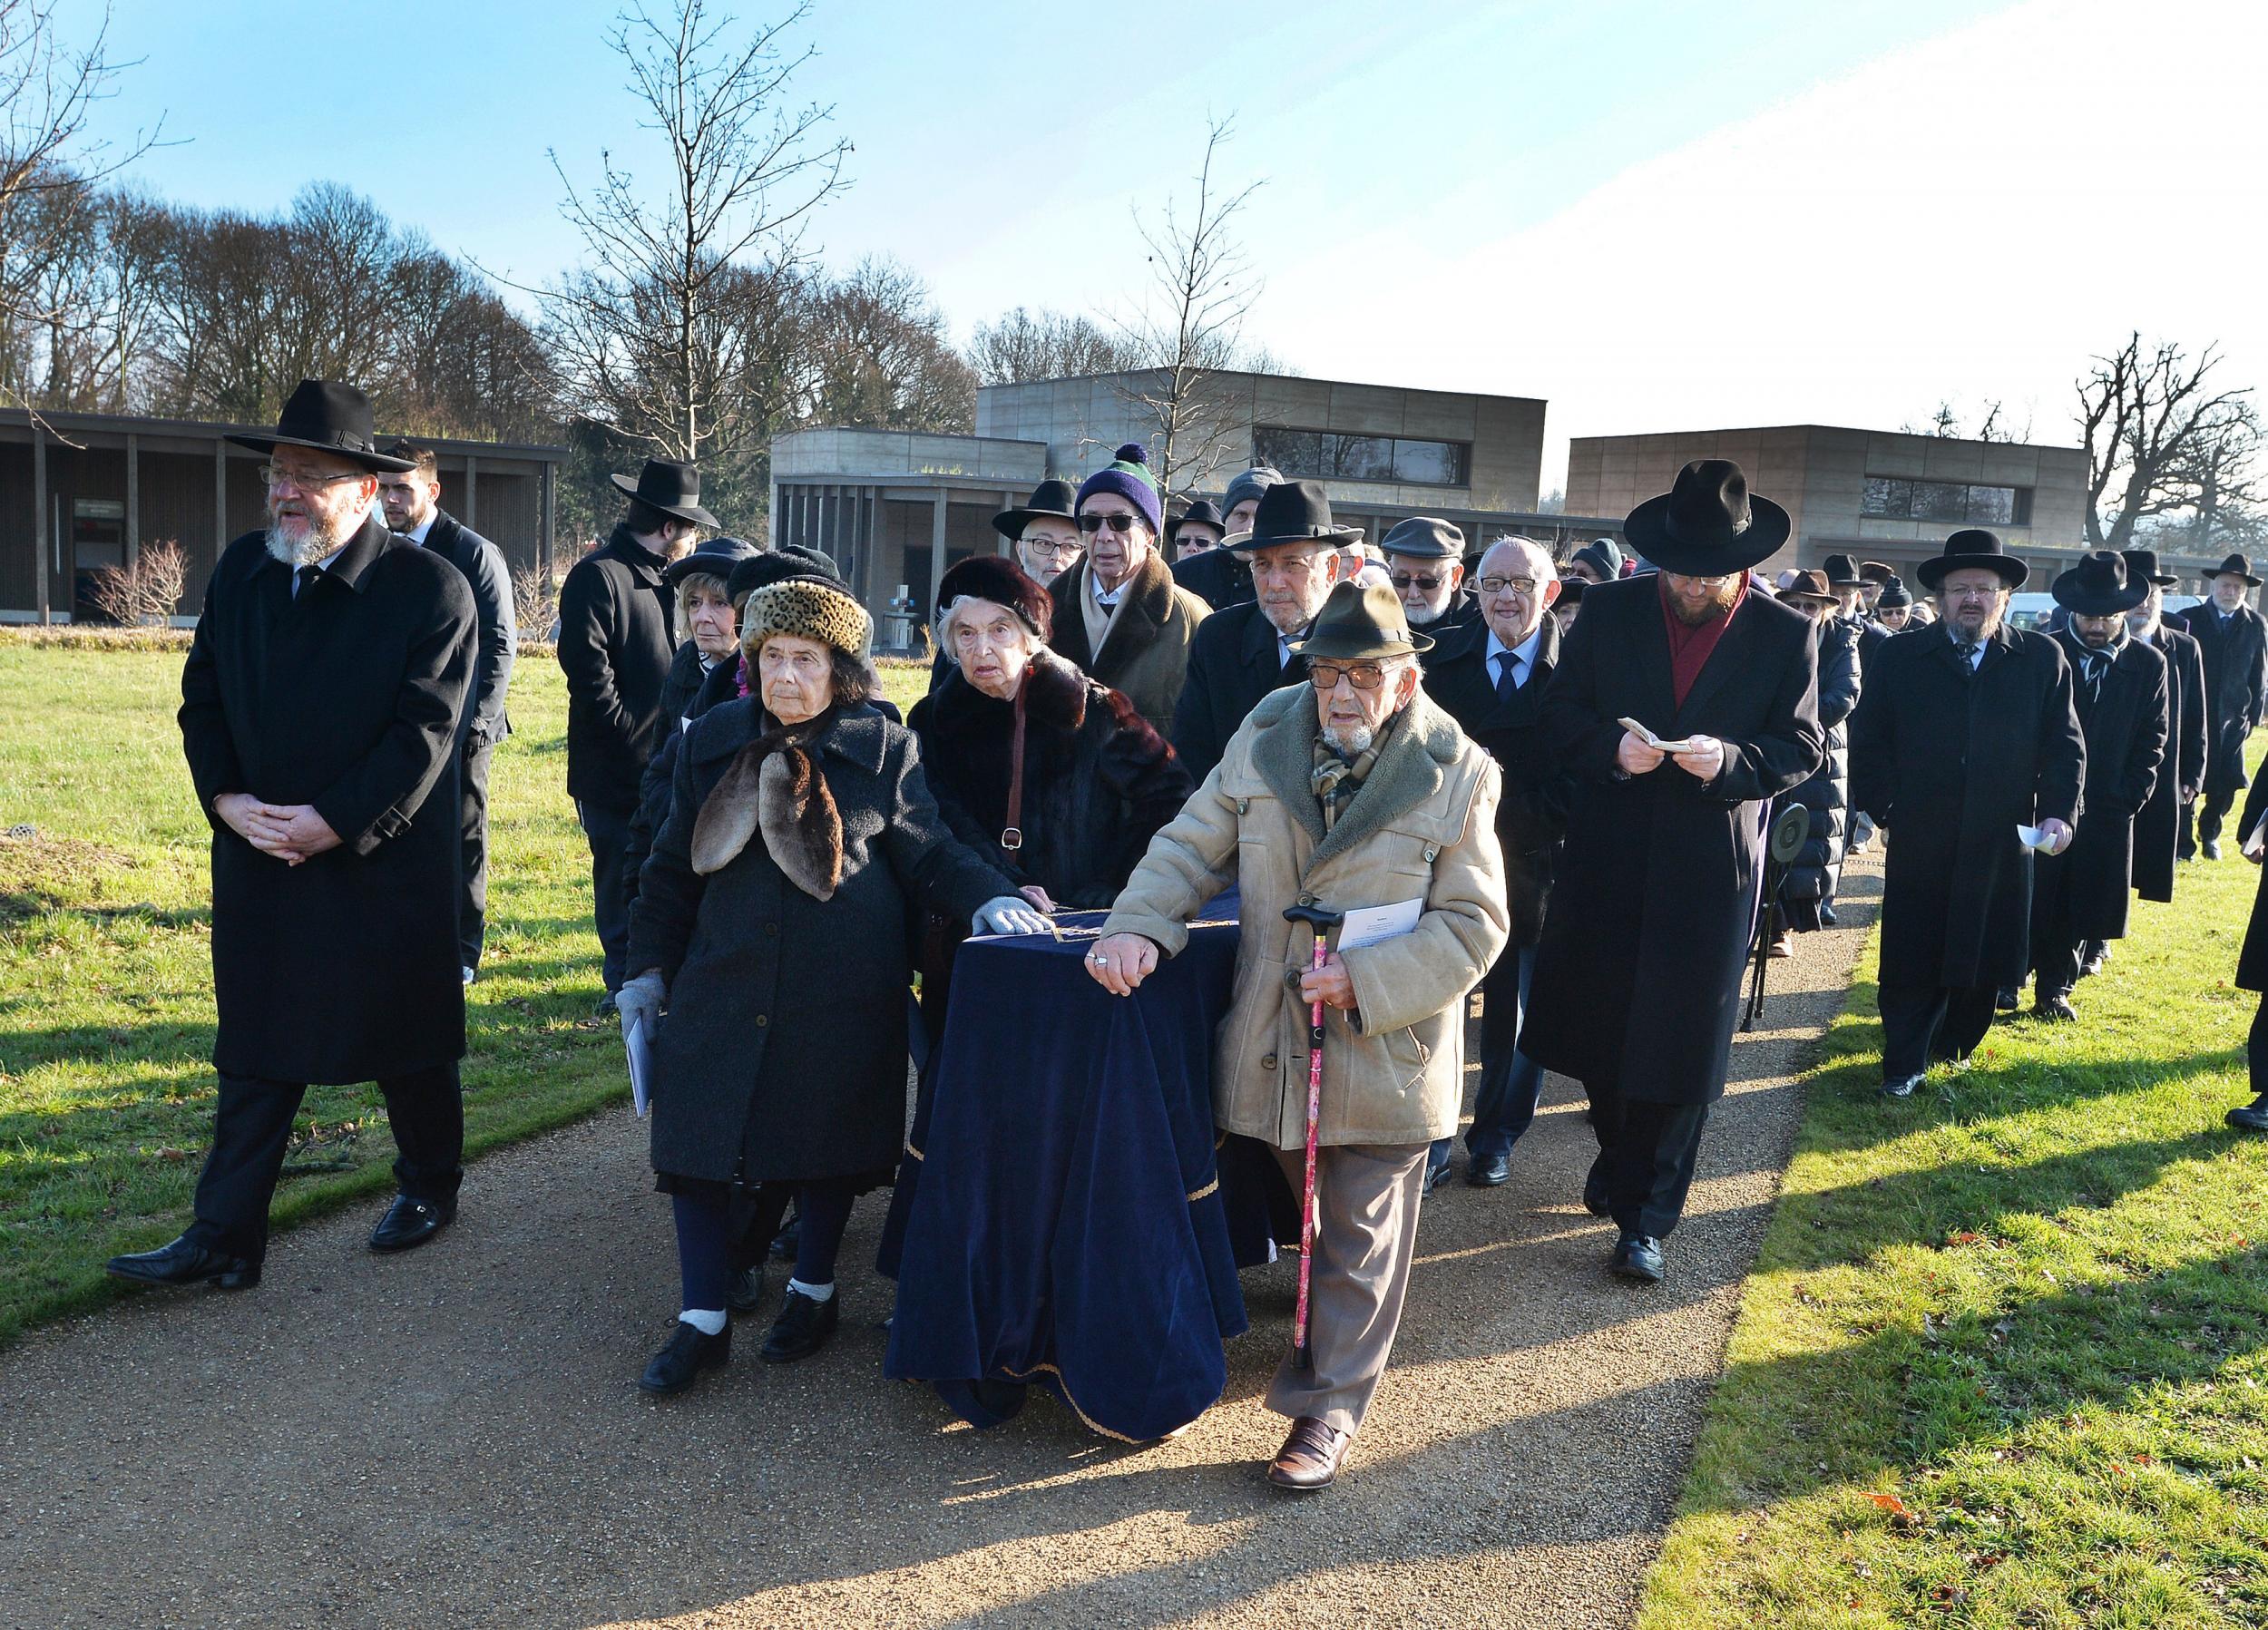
[(319, 714)]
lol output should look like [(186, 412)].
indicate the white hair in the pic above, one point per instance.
[(1540, 563), (942, 625)]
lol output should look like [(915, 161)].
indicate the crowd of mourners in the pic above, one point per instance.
[(1560, 774)]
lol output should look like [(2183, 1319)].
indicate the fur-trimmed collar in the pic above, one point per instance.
[(1055, 696), (1149, 603), (1412, 767), (860, 739)]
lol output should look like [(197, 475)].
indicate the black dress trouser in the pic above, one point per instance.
[(251, 1131), (1920, 1023), (607, 826), (472, 911), (1646, 1157)]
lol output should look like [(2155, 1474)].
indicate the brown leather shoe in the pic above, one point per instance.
[(1311, 1456)]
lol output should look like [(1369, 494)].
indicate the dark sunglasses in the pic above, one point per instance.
[(1424, 585), (1121, 522)]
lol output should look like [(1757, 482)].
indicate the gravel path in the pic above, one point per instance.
[(456, 1436)]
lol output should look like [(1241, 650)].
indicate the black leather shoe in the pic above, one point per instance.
[(603, 1006), (2054, 1010), (785, 1243), (2210, 849), (2096, 955), (1637, 1256), (1435, 1175), (2005, 998), (2245, 1117), (409, 1222), (1595, 1193), (1493, 1171), (802, 1328), (1827, 915), (745, 1293), (185, 1261), (1903, 1086), (684, 1356)]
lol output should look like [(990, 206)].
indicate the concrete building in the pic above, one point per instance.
[(81, 492), (1880, 494)]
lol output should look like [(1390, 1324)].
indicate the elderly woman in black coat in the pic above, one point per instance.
[(772, 921), (1096, 781)]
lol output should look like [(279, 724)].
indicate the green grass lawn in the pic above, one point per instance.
[(106, 1014), (2004, 1358)]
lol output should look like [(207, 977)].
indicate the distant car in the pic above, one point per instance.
[(2032, 610)]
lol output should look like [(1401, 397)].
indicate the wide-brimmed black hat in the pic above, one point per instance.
[(1812, 584), (2143, 563), (1842, 571), (673, 488), (1571, 590), (716, 556), (2099, 585), (1295, 511), (1708, 524), (1424, 538), (1050, 499), (1972, 546), (331, 418), (1357, 624), (2237, 565), (1203, 513)]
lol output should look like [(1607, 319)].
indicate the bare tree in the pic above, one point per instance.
[(678, 333), (2218, 476), (1990, 427), (1022, 345), (2144, 418), (147, 589), (1191, 329), (879, 357)]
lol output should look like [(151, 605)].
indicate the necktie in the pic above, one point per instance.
[(1506, 674), (304, 575)]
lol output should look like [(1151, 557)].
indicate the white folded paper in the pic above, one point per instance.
[(2031, 837), (1682, 745), (1371, 923), (639, 1046)]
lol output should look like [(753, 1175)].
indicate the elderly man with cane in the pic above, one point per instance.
[(1352, 800)]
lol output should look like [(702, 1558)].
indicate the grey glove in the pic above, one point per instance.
[(1007, 914), (641, 998)]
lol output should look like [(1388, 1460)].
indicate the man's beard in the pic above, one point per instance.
[(2142, 625), (1300, 617), (1352, 742), (1425, 615), (318, 542), (1716, 605)]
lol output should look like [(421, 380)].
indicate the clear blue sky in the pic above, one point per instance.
[(1787, 199)]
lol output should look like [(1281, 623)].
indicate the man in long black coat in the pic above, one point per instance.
[(1242, 654), (2252, 967), (1639, 973), (617, 634), (2119, 691), (2157, 830), (2234, 642), (1493, 681), (321, 708), (1964, 731), (412, 508)]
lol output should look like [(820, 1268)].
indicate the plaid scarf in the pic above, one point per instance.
[(1336, 780)]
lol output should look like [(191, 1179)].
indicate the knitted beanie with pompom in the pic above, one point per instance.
[(1127, 476)]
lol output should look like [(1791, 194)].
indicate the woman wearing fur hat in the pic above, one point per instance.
[(1096, 781), (772, 921)]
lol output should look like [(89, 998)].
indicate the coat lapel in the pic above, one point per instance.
[(1408, 773), (1150, 597), (1260, 650), (1730, 653), (1284, 752)]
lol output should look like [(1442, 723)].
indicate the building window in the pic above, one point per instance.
[(1893, 499), (1321, 453)]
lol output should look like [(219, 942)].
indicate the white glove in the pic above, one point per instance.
[(1007, 914), (640, 999)]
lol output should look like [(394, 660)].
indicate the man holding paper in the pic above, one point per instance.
[(1352, 793), (1964, 733), (1639, 974)]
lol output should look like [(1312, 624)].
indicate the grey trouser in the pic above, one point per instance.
[(1366, 1214)]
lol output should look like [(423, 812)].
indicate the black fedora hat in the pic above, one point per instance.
[(716, 556), (1424, 538), (1972, 546), (2099, 585), (333, 418), (1050, 501), (2237, 565), (2143, 563), (1842, 572), (1359, 624), (673, 488), (1571, 591), (1203, 513), (1708, 524), (1295, 511)]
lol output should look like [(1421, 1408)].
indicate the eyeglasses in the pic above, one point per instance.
[(1363, 676), (1424, 585), (1054, 546), (1525, 587), (1120, 522), (276, 476)]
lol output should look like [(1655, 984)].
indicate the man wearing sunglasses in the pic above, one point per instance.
[(1426, 563), (1119, 613)]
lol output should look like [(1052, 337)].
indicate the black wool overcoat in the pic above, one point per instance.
[(1234, 662), (1098, 781), (349, 698), (2236, 687), (1951, 762), (617, 636), (2157, 830), (2125, 723), (1637, 975), (2252, 961), (482, 566), (1219, 577), (1531, 815), (784, 1054)]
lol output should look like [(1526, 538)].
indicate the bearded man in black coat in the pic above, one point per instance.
[(1639, 973), (2119, 691), (320, 711), (1964, 731), (2233, 641), (2157, 830)]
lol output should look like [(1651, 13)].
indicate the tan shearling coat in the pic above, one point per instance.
[(1424, 825)]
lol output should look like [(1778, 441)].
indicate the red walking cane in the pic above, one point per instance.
[(1322, 921)]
